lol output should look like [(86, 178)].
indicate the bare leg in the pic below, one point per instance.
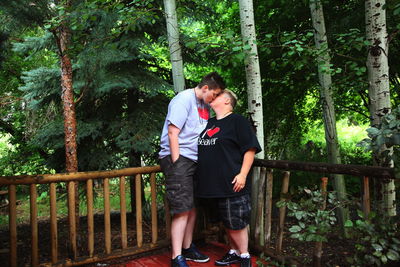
[(240, 238), (188, 237), (232, 243), (178, 226)]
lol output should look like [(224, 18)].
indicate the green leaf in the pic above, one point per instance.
[(373, 131), (384, 259), (395, 240), (247, 47), (393, 255), (348, 223), (295, 229), (377, 247)]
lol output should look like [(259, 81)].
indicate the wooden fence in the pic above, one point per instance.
[(88, 177), (263, 233), (263, 210)]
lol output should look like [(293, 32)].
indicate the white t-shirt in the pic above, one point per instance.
[(190, 115)]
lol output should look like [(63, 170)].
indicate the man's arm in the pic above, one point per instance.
[(173, 133), (240, 180)]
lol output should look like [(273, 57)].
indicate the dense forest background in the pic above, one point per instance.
[(122, 77)]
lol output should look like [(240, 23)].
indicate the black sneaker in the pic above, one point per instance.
[(193, 254), (179, 261), (245, 262), (227, 259)]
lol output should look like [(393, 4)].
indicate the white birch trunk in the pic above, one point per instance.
[(174, 46), (379, 92), (329, 115), (254, 92)]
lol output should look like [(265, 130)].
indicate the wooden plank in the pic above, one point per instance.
[(259, 231), (107, 220), (268, 207), (366, 196), (72, 219), (34, 226), (139, 219), (130, 251), (75, 176), (317, 254), (282, 212), (90, 218), (154, 226), (122, 203), (325, 168), (12, 198), (53, 223)]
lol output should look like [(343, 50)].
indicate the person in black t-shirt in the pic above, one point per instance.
[(226, 150)]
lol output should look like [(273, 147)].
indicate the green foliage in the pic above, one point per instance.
[(119, 90), (312, 222), (386, 134), (122, 72), (377, 240)]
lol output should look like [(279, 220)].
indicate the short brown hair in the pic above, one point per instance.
[(232, 97), (213, 80)]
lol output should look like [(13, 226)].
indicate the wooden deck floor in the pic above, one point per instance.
[(213, 250)]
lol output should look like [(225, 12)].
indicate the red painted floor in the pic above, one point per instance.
[(213, 250)]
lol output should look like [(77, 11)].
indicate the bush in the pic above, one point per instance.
[(376, 240)]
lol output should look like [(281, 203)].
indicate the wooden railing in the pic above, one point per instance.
[(263, 210), (263, 217), (52, 179)]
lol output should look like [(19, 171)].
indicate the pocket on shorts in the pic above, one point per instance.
[(172, 190), (173, 164)]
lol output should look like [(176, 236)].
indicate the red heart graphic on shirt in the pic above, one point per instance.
[(211, 132), (203, 113)]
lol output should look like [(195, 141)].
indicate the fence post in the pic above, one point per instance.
[(268, 207), (282, 211), (107, 219), (90, 219), (366, 197), (122, 205), (72, 219), (12, 198), (259, 230), (34, 226), (318, 245), (53, 223)]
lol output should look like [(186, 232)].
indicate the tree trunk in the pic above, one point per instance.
[(328, 108), (68, 102), (174, 46), (379, 92), (254, 92)]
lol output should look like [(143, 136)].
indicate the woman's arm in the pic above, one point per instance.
[(240, 179)]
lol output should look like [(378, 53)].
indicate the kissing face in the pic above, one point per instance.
[(209, 95)]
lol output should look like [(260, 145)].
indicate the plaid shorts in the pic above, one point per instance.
[(179, 183), (234, 212)]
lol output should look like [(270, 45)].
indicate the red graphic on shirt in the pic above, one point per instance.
[(203, 113), (211, 132)]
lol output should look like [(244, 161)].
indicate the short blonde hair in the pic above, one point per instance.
[(232, 97)]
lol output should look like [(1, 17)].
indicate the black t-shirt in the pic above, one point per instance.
[(222, 145)]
